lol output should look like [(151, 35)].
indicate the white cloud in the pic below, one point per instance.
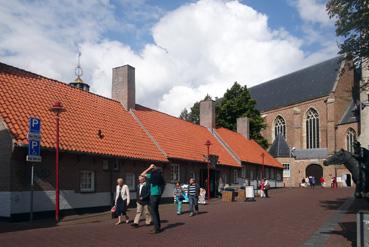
[(199, 48), (313, 11)]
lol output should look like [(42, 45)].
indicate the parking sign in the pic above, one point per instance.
[(34, 139)]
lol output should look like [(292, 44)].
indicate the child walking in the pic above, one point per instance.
[(178, 194), (193, 197)]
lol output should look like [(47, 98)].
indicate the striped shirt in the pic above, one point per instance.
[(193, 190)]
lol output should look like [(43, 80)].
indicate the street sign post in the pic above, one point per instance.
[(34, 151)]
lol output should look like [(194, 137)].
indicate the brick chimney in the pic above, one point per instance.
[(207, 113), (123, 88), (243, 127)]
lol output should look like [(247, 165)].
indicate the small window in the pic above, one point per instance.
[(116, 165), (279, 175), (175, 172), (130, 181), (286, 170), (235, 176), (252, 175), (243, 172), (272, 173), (87, 181), (350, 140), (105, 165)]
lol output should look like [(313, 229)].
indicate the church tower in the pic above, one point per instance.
[(78, 82)]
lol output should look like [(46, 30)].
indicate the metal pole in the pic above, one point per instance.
[(31, 200), (57, 170), (208, 172)]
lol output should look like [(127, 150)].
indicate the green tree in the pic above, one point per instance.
[(236, 102), (352, 24)]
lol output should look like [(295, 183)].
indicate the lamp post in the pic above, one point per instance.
[(262, 158), (208, 144), (57, 108)]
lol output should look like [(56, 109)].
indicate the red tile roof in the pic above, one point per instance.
[(181, 139), (24, 94), (247, 150)]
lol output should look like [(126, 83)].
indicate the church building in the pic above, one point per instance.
[(310, 114)]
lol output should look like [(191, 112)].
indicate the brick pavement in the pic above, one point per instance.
[(288, 218)]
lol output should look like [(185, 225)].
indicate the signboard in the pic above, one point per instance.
[(362, 222), (34, 139)]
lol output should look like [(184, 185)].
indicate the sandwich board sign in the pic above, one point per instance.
[(34, 139)]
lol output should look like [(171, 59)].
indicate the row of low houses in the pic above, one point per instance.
[(102, 139)]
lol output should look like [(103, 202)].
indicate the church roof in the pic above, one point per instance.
[(309, 83), (279, 147), (351, 115)]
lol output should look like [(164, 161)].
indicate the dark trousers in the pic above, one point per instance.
[(193, 203), (154, 210), (266, 193)]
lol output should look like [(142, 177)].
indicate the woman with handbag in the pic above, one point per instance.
[(178, 197), (122, 200)]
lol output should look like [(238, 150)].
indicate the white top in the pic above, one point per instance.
[(141, 185), (124, 191)]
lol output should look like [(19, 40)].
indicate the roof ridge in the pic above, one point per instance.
[(225, 145), (54, 80), (296, 71), (148, 133), (185, 121)]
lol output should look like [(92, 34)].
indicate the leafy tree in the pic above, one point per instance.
[(236, 102), (352, 24)]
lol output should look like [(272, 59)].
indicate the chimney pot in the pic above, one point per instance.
[(123, 86), (243, 127), (207, 113)]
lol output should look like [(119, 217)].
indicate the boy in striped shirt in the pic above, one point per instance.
[(193, 197)]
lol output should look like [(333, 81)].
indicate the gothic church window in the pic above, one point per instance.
[(312, 129)]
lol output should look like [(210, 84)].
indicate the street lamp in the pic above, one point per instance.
[(57, 108), (208, 144), (262, 157)]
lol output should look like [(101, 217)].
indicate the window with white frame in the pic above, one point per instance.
[(87, 181), (130, 180), (350, 140), (312, 129), (175, 172), (286, 170), (235, 176)]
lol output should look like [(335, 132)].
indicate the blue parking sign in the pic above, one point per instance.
[(34, 125), (34, 148)]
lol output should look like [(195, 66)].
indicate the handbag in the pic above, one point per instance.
[(113, 209), (181, 198)]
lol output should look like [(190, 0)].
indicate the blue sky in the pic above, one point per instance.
[(182, 50)]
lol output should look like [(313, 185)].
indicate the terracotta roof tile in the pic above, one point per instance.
[(181, 139), (24, 94), (247, 150)]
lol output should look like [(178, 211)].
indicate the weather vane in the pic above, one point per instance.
[(78, 71)]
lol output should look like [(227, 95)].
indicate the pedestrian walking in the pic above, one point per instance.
[(193, 196), (178, 197), (262, 189), (307, 181), (143, 199), (157, 184), (122, 200), (322, 182), (266, 187), (312, 181)]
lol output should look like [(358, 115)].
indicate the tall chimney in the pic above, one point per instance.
[(207, 113), (243, 127), (123, 88)]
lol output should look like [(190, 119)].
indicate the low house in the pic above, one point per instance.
[(102, 139)]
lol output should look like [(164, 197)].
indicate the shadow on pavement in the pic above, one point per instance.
[(333, 205), (173, 225), (347, 230), (22, 226)]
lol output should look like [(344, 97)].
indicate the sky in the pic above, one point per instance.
[(182, 50)]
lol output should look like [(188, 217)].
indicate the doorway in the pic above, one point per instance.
[(315, 171), (214, 178)]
